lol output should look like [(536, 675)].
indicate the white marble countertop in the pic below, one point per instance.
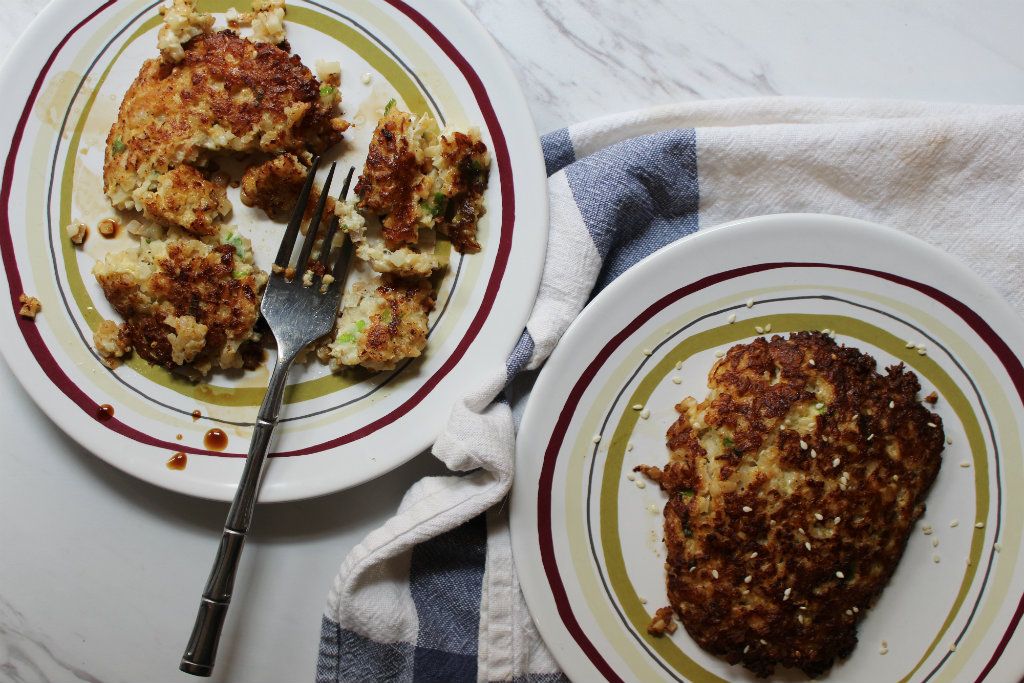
[(90, 556)]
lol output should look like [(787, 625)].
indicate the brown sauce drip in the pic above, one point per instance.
[(104, 412), (179, 437), (108, 227), (178, 461), (215, 439), (196, 414)]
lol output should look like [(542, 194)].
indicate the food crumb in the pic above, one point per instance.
[(732, 318), (965, 464), (596, 438), (884, 648), (758, 329), (998, 547), (30, 306), (629, 446), (932, 398), (366, 78), (630, 476), (77, 232), (750, 303), (647, 352), (637, 406), (936, 559), (662, 622), (107, 227), (640, 484), (645, 413), (955, 523), (979, 525), (677, 380)]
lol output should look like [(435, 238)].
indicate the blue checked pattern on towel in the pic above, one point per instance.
[(433, 595)]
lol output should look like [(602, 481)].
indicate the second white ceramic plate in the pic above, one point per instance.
[(587, 539)]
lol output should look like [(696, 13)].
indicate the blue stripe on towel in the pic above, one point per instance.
[(654, 178), (346, 657), (445, 579), (520, 355), (558, 150)]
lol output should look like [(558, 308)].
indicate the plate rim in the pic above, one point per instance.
[(523, 500), (530, 217)]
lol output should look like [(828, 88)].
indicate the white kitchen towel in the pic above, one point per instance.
[(433, 595)]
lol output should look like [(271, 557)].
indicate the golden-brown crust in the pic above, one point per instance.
[(186, 283), (275, 185), (464, 186), (393, 180), (227, 94), (800, 476), (400, 333)]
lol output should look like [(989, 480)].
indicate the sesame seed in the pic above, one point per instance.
[(747, 508), (935, 542), (750, 303), (637, 406), (643, 601), (952, 648), (803, 444), (846, 475), (837, 520), (892, 404), (803, 606), (645, 413), (979, 525), (811, 362), (768, 327), (927, 530), (807, 544), (801, 530), (832, 334), (814, 453), (855, 610), (949, 440), (630, 476), (849, 612), (921, 352), (920, 346), (679, 365), (748, 578), (597, 438), (629, 446), (652, 508), (745, 591), (366, 78), (932, 425), (647, 352), (787, 592), (732, 318), (819, 406), (800, 618), (998, 547), (895, 477), (840, 575), (753, 554), (719, 353), (746, 649), (954, 523), (835, 463), (870, 436), (935, 559), (693, 569), (640, 484), (825, 330), (965, 464), (758, 329), (883, 650), (818, 516), (763, 641), (910, 344), (677, 380), (714, 573)]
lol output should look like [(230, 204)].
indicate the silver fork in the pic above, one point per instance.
[(297, 315)]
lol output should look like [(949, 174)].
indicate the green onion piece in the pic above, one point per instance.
[(347, 338), (360, 325), (326, 90), (118, 146), (389, 105)]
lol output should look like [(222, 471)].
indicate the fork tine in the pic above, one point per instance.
[(325, 248), (341, 265), (284, 253), (314, 223)]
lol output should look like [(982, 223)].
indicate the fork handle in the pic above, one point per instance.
[(201, 651)]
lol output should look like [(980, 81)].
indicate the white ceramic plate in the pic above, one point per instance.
[(587, 545), (62, 86)]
